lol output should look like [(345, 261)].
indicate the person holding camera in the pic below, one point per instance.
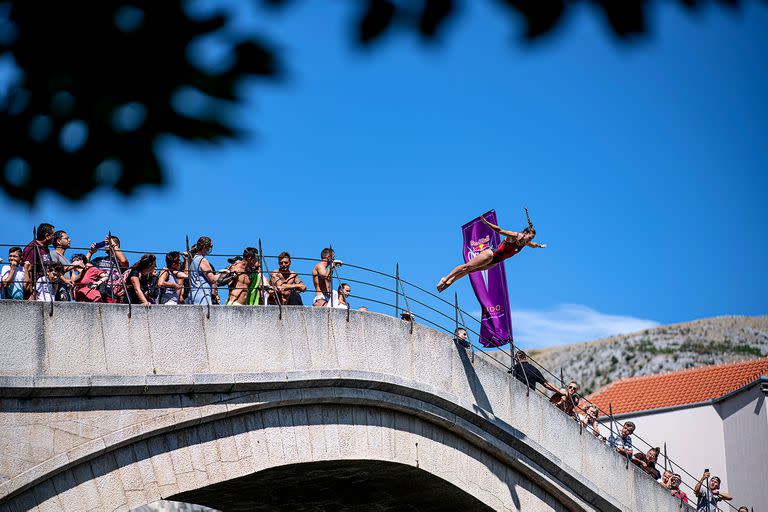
[(114, 264), (709, 494)]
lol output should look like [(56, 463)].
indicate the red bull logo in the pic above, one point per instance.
[(478, 246)]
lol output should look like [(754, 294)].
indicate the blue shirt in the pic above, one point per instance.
[(616, 441)]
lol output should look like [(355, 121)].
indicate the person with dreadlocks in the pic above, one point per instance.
[(512, 244)]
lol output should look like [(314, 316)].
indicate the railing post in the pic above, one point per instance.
[(39, 255), (407, 307), (34, 263), (189, 273), (113, 261), (610, 413), (397, 290), (456, 310), (262, 269)]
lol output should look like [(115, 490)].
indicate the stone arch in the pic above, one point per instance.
[(275, 429)]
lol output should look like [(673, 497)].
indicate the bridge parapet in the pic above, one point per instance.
[(88, 380)]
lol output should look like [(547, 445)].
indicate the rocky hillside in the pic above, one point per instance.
[(672, 347)]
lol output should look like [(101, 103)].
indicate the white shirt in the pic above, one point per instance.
[(16, 284), (44, 289), (335, 301)]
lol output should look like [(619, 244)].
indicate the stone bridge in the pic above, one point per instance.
[(245, 411)]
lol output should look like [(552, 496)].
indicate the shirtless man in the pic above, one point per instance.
[(242, 269), (321, 275), (286, 282)]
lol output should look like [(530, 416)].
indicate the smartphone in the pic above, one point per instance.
[(99, 245), (706, 470)]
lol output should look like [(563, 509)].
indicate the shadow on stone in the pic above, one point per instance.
[(483, 405)]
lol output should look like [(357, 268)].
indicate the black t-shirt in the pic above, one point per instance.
[(144, 285), (533, 374)]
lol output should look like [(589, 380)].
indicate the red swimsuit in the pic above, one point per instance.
[(505, 250)]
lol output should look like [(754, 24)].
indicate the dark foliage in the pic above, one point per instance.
[(102, 81)]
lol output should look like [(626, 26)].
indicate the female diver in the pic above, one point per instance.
[(512, 244)]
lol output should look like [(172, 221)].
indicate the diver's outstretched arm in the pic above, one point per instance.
[(536, 246), (512, 234), (492, 226)]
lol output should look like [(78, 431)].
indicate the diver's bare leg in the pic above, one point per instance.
[(476, 264)]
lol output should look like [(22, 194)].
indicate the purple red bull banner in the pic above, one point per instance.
[(490, 285)]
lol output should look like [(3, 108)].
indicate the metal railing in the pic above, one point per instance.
[(427, 311)]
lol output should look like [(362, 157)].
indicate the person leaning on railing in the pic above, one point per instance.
[(647, 461), (622, 442), (460, 336), (529, 375), (567, 399), (589, 419)]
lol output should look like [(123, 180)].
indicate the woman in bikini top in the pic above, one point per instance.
[(512, 244)]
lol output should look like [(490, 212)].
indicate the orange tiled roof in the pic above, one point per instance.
[(683, 387)]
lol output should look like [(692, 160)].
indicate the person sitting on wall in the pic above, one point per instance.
[(622, 443), (528, 374)]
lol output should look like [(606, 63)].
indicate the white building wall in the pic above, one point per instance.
[(694, 438), (745, 421)]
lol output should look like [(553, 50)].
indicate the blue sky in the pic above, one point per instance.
[(644, 166)]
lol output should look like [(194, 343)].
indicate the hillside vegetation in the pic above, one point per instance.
[(672, 347)]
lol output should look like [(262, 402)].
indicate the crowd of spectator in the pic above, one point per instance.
[(39, 273), (104, 274), (707, 489)]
